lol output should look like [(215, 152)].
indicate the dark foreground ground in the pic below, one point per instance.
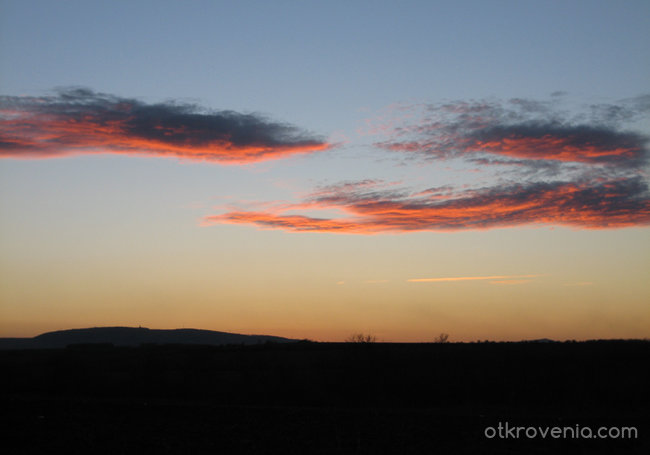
[(324, 398)]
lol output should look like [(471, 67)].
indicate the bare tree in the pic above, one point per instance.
[(442, 338), (361, 338)]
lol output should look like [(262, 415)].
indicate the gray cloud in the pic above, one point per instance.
[(526, 130), (583, 204), (82, 121)]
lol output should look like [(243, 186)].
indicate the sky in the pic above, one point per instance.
[(319, 169)]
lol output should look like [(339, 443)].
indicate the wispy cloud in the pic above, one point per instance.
[(471, 278), (582, 170), (76, 121), (522, 129), (609, 203)]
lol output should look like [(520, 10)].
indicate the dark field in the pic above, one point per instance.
[(323, 398)]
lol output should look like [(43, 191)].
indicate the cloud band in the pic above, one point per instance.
[(76, 121), (593, 205)]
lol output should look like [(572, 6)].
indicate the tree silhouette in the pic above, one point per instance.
[(442, 338), (361, 338)]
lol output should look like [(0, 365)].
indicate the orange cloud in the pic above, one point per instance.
[(591, 205), (82, 122), (524, 130), (569, 144)]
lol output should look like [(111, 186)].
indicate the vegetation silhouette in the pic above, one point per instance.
[(361, 338), (311, 397), (442, 338)]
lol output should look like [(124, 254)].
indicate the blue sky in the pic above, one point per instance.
[(332, 56)]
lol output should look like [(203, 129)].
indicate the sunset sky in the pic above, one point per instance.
[(316, 169)]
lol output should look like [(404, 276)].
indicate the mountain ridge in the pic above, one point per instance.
[(134, 336)]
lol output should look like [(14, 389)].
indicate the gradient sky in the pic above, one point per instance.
[(316, 169)]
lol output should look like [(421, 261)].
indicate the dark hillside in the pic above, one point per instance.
[(129, 336)]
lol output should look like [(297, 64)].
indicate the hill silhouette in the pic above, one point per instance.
[(132, 336)]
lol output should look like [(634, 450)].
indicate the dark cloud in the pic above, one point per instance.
[(582, 204), (82, 121), (526, 130), (563, 170), (550, 141)]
